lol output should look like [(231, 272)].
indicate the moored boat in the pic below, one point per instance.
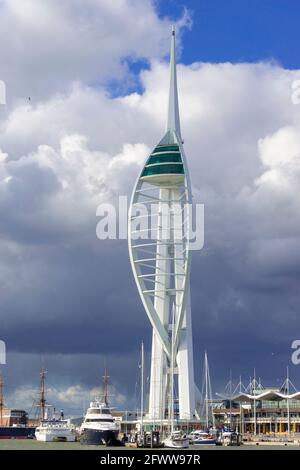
[(99, 426), (229, 438), (201, 437), (176, 440), (54, 430), (17, 432)]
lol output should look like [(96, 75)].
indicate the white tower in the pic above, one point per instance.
[(160, 260)]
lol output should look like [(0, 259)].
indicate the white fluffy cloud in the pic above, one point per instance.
[(76, 146), (74, 399), (47, 45), (72, 381)]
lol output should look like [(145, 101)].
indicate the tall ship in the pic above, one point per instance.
[(54, 428), (99, 425), (13, 422)]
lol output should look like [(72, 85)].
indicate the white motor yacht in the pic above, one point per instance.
[(99, 426)]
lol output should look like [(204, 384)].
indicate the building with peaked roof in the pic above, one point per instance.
[(259, 410)]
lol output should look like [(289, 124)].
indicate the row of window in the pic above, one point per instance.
[(175, 168), (166, 148), (165, 158), (99, 420), (98, 411)]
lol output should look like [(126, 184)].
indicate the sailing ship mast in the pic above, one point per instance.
[(142, 387), (286, 388), (171, 404), (206, 411), (42, 400), (105, 386), (206, 389), (1, 400), (173, 440)]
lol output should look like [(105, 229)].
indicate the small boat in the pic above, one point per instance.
[(176, 440), (55, 430), (229, 438), (201, 437)]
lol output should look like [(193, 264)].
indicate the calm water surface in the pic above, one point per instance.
[(14, 444)]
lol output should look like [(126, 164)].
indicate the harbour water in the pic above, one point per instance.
[(15, 444)]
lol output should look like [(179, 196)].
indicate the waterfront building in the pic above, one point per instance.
[(256, 409)]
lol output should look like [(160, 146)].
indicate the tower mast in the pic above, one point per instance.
[(142, 387), (173, 111)]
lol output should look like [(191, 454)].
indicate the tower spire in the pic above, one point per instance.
[(164, 280), (173, 114)]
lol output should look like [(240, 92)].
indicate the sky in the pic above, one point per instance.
[(239, 30), (87, 86)]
